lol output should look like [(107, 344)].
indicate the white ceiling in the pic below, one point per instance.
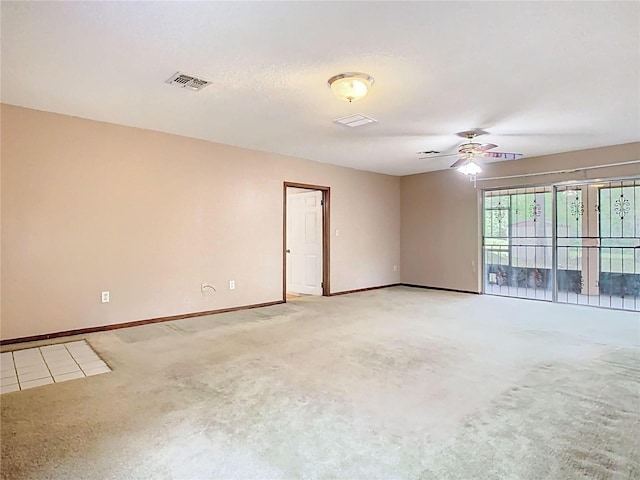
[(540, 77)]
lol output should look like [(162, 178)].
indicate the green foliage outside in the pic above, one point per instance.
[(509, 223)]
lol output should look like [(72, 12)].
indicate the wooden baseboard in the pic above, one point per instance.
[(347, 292), (114, 326), (438, 288)]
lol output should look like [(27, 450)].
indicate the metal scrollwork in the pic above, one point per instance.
[(622, 207), (536, 210), (577, 208)]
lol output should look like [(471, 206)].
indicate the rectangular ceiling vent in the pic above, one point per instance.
[(184, 80), (356, 120)]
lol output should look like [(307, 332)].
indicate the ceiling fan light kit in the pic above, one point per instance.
[(470, 168), (350, 86)]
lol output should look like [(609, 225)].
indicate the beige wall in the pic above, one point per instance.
[(90, 206), (441, 232)]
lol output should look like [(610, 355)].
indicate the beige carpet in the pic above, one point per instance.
[(397, 383)]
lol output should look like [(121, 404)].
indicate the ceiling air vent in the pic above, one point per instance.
[(354, 120), (184, 80)]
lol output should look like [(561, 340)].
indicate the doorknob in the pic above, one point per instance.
[(288, 251)]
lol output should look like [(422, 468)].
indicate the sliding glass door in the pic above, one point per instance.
[(619, 260), (518, 242), (572, 244)]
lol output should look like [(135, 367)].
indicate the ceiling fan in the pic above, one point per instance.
[(470, 151)]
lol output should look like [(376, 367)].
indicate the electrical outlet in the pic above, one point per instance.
[(105, 297), (232, 284), (395, 268)]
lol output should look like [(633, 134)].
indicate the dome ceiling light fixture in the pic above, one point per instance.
[(350, 86)]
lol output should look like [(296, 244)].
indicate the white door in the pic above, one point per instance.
[(304, 242)]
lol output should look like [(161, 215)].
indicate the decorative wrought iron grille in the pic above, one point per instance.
[(593, 258)]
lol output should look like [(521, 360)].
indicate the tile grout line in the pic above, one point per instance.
[(74, 358), (97, 356), (15, 369), (46, 365)]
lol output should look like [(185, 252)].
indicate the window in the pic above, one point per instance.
[(596, 245)]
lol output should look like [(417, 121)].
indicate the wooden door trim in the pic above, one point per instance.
[(326, 210)]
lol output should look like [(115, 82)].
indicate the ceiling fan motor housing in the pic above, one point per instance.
[(468, 147)]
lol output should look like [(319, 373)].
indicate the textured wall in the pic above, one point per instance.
[(90, 206), (441, 232)]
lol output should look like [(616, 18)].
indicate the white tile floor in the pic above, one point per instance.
[(33, 367)]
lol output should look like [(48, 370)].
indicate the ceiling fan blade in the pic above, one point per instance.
[(460, 162), (438, 156), (486, 146), (503, 155)]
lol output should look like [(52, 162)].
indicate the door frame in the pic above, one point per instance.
[(326, 209)]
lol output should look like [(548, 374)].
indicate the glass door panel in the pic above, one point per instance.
[(517, 242)]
